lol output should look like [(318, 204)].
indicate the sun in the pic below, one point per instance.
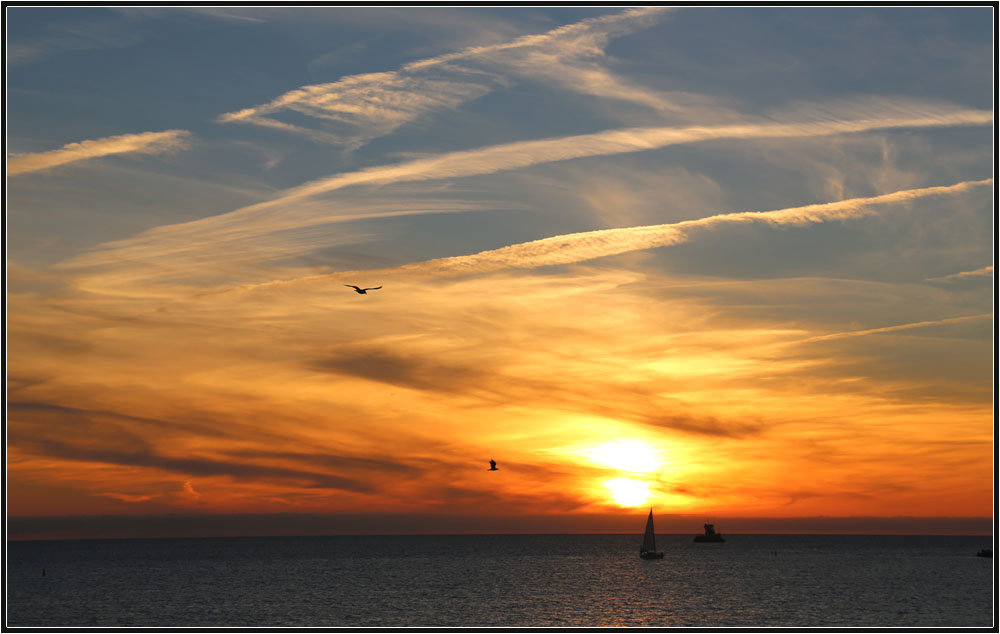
[(632, 464), (628, 492)]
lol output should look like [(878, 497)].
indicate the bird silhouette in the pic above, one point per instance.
[(493, 466), (362, 291)]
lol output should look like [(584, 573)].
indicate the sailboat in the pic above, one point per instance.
[(648, 548)]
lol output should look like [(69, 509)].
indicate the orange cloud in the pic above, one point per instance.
[(395, 402), (142, 143)]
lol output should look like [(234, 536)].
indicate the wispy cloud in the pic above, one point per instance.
[(231, 247), (358, 108), (141, 143), (897, 328), (579, 247), (986, 271), (587, 233), (587, 34), (572, 58), (63, 37), (476, 355), (522, 154), (366, 106), (286, 211), (236, 14)]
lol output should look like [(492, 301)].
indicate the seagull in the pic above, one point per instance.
[(493, 466), (362, 291)]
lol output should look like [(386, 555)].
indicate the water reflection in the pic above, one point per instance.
[(529, 581)]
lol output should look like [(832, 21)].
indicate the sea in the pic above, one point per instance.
[(513, 581)]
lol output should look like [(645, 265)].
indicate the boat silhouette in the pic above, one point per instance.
[(710, 535), (648, 548)]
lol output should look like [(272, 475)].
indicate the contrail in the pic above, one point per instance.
[(579, 247), (875, 331), (522, 154), (267, 216)]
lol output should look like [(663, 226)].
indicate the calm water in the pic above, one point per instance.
[(508, 580)]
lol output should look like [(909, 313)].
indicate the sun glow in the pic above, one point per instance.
[(633, 456), (628, 492)]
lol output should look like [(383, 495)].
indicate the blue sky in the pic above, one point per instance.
[(551, 198)]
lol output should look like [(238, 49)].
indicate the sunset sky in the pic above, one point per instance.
[(721, 262)]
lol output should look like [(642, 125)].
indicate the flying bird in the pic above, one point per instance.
[(493, 466), (362, 291)]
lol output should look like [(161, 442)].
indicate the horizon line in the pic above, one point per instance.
[(536, 534), (184, 525)]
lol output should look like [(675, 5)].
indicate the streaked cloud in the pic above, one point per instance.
[(367, 105), (62, 37), (899, 327), (526, 153), (237, 14), (587, 34), (358, 108), (986, 271), (589, 225), (286, 211), (447, 371), (233, 247), (141, 143), (579, 247)]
